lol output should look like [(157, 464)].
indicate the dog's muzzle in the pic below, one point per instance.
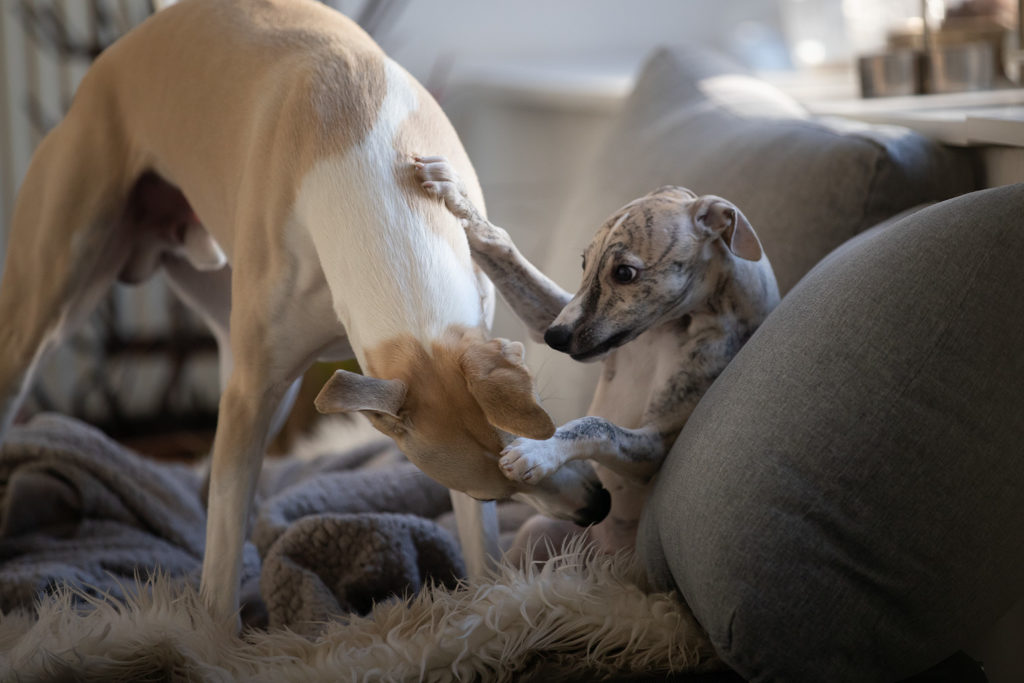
[(559, 337), (562, 338)]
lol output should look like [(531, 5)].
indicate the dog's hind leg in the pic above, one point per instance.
[(534, 297), (62, 251)]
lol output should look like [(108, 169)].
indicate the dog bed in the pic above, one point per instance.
[(351, 574)]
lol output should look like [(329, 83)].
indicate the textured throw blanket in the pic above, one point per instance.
[(349, 553), (332, 536)]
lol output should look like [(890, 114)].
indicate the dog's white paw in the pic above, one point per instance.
[(529, 460), (438, 178)]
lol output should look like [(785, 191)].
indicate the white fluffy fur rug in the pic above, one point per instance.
[(576, 615)]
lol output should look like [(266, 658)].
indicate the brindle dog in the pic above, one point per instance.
[(673, 285)]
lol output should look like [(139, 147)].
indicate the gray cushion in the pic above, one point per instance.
[(807, 185), (847, 501)]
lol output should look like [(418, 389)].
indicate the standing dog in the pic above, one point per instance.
[(673, 285), (258, 151)]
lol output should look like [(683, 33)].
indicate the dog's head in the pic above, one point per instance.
[(453, 407), (655, 259)]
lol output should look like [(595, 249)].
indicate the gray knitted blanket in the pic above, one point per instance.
[(332, 536)]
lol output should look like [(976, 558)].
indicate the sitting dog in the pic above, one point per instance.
[(258, 152), (673, 285)]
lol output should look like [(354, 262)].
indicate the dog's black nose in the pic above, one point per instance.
[(596, 509), (558, 337)]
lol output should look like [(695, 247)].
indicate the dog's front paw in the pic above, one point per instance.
[(438, 178), (529, 460)]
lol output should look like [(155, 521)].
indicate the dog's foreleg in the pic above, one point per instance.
[(534, 297), (477, 524), (634, 454), (264, 368), (246, 409)]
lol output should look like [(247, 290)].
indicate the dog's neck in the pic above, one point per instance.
[(422, 300), (411, 275), (743, 294), (427, 285)]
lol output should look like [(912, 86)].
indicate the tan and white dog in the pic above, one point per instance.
[(673, 285), (257, 151)]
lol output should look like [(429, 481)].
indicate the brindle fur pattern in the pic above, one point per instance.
[(702, 286)]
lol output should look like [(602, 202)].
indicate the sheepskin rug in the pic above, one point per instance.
[(577, 614)]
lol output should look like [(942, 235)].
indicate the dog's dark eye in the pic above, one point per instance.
[(624, 274)]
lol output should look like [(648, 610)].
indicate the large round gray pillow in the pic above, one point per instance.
[(847, 501)]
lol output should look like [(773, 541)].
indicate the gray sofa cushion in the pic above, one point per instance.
[(807, 185), (847, 501)]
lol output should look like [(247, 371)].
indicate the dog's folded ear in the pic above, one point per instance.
[(498, 379), (722, 218), (347, 392)]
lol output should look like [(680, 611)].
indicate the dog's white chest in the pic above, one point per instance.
[(630, 376)]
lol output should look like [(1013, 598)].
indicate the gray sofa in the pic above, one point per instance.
[(847, 502)]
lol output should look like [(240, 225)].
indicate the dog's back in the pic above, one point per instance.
[(265, 88)]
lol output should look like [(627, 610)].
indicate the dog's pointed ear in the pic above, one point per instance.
[(722, 218), (347, 392), (498, 379)]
